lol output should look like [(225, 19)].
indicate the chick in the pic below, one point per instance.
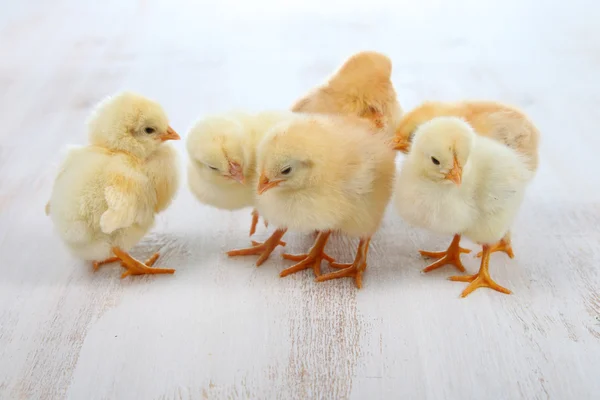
[(501, 122), (222, 152), (457, 182), (106, 194), (304, 186), (361, 87)]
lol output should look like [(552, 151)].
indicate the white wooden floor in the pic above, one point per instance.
[(222, 328)]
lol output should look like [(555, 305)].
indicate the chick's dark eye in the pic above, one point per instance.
[(286, 171), (435, 161), (213, 168), (149, 130)]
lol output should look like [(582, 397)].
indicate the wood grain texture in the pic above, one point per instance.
[(223, 329)]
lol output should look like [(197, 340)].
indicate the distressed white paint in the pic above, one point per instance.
[(222, 328)]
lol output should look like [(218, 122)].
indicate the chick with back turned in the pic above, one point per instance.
[(361, 87), (454, 181), (503, 123), (221, 149), (106, 194), (304, 186)]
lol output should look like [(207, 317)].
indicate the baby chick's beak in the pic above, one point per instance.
[(265, 184), (455, 174), (400, 144), (169, 135), (236, 173)]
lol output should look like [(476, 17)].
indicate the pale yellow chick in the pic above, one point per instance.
[(503, 123), (454, 181), (222, 155), (106, 194), (305, 186), (361, 87)]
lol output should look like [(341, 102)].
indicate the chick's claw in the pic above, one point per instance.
[(353, 270), (349, 271), (502, 245), (135, 267), (449, 257), (310, 260), (263, 249), (480, 279)]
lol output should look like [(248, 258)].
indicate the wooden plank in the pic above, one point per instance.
[(221, 328)]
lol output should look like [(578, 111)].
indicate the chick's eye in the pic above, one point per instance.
[(213, 168), (435, 161), (149, 130), (286, 171)]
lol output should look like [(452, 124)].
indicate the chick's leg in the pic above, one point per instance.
[(354, 270), (263, 249), (482, 278), (135, 267), (503, 245), (254, 222), (310, 260), (450, 256)]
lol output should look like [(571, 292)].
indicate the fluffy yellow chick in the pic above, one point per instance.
[(106, 194), (222, 153), (361, 87), (501, 122), (305, 186), (454, 181)]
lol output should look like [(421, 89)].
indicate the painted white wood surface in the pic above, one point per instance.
[(222, 328)]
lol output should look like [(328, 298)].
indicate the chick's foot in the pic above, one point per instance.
[(310, 260), (135, 267), (503, 245), (263, 249), (450, 256), (482, 278), (353, 270)]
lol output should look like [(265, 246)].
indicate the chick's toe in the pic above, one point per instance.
[(502, 245), (353, 270), (263, 249), (449, 257), (135, 267), (312, 259), (480, 279)]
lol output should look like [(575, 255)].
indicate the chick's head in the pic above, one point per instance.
[(410, 122), (441, 149), (131, 123), (292, 156), (221, 149)]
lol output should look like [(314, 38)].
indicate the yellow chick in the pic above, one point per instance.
[(361, 87), (501, 122), (106, 194), (305, 186), (222, 154), (454, 181)]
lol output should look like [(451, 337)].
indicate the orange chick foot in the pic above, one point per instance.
[(480, 279), (502, 245), (310, 260), (135, 267), (263, 249), (354, 270), (449, 257)]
